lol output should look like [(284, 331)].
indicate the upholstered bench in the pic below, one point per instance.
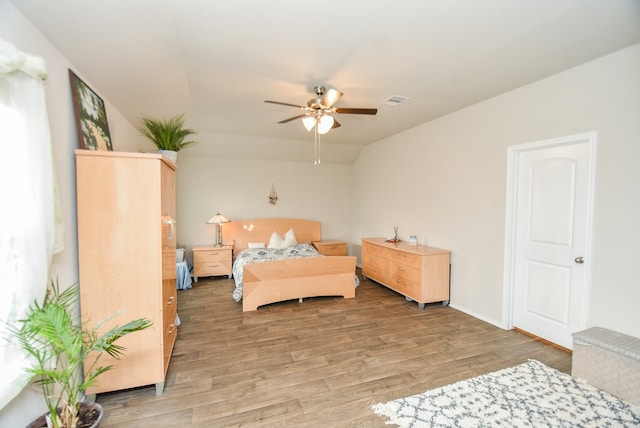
[(608, 360)]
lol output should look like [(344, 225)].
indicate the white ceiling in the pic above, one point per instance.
[(217, 61)]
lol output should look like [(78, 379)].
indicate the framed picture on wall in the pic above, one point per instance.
[(91, 117)]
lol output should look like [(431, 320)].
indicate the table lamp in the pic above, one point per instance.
[(218, 219)]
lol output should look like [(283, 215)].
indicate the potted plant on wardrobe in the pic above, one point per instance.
[(168, 135), (57, 348)]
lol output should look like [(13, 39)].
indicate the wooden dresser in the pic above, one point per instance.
[(212, 261), (418, 272), (127, 259)]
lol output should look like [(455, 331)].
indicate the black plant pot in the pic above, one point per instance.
[(90, 415)]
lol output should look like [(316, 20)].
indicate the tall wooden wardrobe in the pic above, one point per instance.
[(127, 258)]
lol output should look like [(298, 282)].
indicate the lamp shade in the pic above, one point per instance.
[(324, 124), (218, 219), (309, 122)]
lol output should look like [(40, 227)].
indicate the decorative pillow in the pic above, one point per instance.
[(290, 239), (256, 244), (280, 243), (276, 241)]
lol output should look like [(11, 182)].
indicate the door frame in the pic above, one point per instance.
[(513, 154)]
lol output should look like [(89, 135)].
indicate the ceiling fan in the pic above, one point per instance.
[(320, 107), (319, 113)]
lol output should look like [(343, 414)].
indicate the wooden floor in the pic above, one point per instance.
[(322, 362)]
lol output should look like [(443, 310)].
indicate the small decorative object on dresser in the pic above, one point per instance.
[(418, 272), (212, 261), (396, 237), (331, 248)]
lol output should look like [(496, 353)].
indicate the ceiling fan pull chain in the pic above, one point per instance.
[(317, 145)]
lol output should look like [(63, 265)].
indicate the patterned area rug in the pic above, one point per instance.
[(528, 395)]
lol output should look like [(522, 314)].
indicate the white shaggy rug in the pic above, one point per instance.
[(528, 395)]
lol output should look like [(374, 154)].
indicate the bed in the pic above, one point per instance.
[(301, 273), (183, 270)]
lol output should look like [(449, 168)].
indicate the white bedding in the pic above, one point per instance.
[(259, 255)]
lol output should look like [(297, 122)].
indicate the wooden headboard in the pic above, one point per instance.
[(240, 232)]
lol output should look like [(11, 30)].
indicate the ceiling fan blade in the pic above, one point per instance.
[(336, 124), (370, 111), (330, 98), (292, 118), (284, 104)]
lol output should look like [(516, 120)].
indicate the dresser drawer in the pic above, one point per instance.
[(169, 293), (406, 259), (375, 269), (170, 334), (405, 273), (374, 263), (211, 268), (373, 250), (405, 287), (405, 280), (169, 317), (211, 256), (169, 264)]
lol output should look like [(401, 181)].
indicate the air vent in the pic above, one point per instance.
[(395, 100)]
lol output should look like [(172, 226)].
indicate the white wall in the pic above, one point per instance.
[(445, 181), (239, 189), (19, 31)]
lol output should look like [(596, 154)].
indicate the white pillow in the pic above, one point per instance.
[(276, 241), (256, 244), (290, 239), (280, 243)]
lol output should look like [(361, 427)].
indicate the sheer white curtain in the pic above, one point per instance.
[(30, 209)]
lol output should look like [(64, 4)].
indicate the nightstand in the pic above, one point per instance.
[(212, 261), (331, 248)]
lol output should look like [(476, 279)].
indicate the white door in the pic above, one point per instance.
[(551, 234)]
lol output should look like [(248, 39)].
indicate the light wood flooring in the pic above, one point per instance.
[(322, 362)]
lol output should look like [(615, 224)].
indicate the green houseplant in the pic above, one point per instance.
[(167, 135), (58, 347)]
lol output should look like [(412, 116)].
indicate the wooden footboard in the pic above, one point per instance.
[(281, 280)]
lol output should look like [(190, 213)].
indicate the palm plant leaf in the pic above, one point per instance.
[(58, 347), (169, 134)]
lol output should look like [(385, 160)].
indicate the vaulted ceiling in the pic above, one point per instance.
[(217, 61)]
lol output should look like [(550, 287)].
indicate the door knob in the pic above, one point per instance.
[(579, 260)]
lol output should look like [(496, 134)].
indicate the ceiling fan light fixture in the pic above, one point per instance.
[(317, 115), (309, 122), (325, 123)]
